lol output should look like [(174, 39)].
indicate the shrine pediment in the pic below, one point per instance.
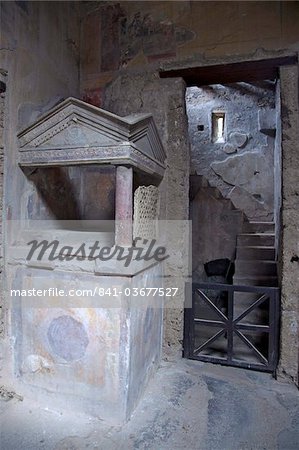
[(75, 132)]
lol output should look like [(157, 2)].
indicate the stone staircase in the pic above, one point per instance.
[(198, 182), (255, 262)]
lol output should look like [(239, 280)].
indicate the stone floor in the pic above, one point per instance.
[(188, 405)]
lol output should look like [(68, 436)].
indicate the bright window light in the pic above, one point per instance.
[(218, 121)]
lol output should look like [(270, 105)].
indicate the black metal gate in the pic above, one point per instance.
[(233, 325)]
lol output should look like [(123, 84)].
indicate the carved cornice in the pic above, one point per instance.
[(77, 133), (126, 154)]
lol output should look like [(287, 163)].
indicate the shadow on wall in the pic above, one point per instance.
[(63, 193)]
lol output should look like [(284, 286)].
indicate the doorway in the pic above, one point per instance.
[(244, 72), (232, 131)]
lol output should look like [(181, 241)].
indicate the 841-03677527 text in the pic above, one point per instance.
[(96, 291)]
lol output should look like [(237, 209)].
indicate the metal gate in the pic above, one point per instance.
[(232, 325)]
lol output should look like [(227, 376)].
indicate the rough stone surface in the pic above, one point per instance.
[(267, 121), (278, 179), (242, 199), (250, 172), (132, 94), (289, 362), (251, 165), (188, 405), (238, 139), (229, 148), (146, 200)]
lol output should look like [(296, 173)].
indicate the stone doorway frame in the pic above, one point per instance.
[(284, 68)]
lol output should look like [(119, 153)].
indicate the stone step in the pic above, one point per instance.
[(257, 239), (256, 253), (228, 204), (259, 227), (244, 268), (197, 182), (214, 192), (237, 212), (256, 281)]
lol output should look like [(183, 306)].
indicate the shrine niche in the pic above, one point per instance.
[(83, 165)]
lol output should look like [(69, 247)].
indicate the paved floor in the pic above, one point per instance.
[(188, 405)]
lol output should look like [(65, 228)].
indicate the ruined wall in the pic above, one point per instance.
[(165, 99), (39, 51), (289, 358), (129, 36), (241, 165), (123, 46)]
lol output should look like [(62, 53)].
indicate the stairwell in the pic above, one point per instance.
[(255, 262), (255, 258), (199, 182), (255, 265)]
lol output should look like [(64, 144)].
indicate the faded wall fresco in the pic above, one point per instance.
[(117, 36)]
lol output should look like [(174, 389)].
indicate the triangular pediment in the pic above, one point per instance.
[(73, 118), (86, 129), (78, 134)]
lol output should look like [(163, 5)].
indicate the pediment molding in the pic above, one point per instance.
[(75, 132)]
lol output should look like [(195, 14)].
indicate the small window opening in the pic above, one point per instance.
[(218, 121)]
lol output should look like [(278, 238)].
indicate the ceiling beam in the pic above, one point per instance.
[(249, 71)]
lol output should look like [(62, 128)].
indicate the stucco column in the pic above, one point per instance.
[(124, 206)]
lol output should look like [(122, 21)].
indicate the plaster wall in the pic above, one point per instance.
[(289, 363), (39, 53), (137, 39), (241, 165), (70, 193), (129, 36), (215, 226), (165, 99), (90, 353), (96, 373)]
